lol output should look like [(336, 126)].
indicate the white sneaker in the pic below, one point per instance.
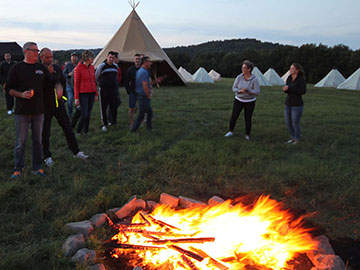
[(49, 161), (247, 137), (9, 112), (81, 155), (289, 141), (229, 134), (104, 129)]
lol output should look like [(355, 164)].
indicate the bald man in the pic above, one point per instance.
[(54, 106)]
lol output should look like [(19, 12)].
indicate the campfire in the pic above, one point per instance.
[(228, 235)]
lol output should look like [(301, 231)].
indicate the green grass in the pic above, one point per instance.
[(185, 154)]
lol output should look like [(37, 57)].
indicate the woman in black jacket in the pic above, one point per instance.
[(295, 87)]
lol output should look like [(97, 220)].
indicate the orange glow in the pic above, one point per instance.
[(226, 236)]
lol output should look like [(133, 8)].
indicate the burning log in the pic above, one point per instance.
[(189, 262), (184, 240), (159, 222), (212, 260), (145, 232), (187, 253), (130, 246)]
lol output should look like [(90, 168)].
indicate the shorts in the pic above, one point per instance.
[(132, 100)]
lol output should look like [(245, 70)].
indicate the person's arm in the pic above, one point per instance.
[(128, 81), (98, 72), (146, 88), (67, 73), (236, 87), (26, 94), (254, 87)]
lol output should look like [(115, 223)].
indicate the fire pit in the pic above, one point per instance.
[(222, 235)]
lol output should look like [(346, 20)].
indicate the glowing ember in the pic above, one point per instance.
[(224, 236)]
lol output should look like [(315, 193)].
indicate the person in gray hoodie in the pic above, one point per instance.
[(246, 87)]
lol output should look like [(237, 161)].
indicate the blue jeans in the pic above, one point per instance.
[(144, 107), (86, 105), (70, 99), (22, 123), (292, 120)]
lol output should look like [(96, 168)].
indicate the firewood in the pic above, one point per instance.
[(142, 231), (187, 253), (129, 246), (184, 240), (189, 262), (215, 262), (159, 222)]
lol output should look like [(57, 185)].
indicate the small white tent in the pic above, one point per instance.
[(273, 77), (186, 75), (262, 80), (202, 76), (332, 79), (285, 76), (351, 83), (214, 75)]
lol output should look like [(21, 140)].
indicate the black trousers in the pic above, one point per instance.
[(64, 121), (248, 112), (108, 98), (9, 102)]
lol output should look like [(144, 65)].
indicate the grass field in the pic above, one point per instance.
[(186, 154)]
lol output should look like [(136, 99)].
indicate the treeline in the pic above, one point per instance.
[(226, 57)]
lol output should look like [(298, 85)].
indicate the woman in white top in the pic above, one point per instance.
[(246, 87)]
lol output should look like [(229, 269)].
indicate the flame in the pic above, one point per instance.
[(264, 235)]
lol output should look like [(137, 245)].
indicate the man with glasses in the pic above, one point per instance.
[(26, 83), (4, 70)]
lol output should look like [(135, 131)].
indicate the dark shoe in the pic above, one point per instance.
[(15, 175), (39, 172)]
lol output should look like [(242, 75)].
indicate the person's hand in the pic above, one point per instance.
[(285, 88), (242, 90), (96, 98), (77, 102), (70, 74), (51, 68), (27, 94)]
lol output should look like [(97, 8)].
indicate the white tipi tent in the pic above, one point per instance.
[(133, 37), (285, 76), (186, 75), (202, 76), (262, 80), (214, 75), (273, 77), (351, 83), (332, 79)]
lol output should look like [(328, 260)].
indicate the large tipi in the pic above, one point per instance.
[(274, 78), (186, 75), (351, 83), (262, 80), (214, 75), (333, 79), (133, 37), (202, 76)]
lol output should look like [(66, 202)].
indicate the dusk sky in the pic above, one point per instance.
[(79, 24)]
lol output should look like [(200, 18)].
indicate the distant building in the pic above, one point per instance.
[(13, 48)]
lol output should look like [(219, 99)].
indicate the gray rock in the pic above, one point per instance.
[(140, 204), (323, 248), (169, 200), (99, 220), (187, 202), (328, 262), (73, 243), (127, 209), (137, 268), (98, 266), (215, 200), (84, 256), (83, 227), (111, 213)]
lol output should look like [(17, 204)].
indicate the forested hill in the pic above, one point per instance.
[(226, 57), (231, 45)]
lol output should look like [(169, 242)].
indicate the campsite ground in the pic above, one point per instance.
[(186, 154)]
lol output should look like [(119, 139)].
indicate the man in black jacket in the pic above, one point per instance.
[(130, 87), (4, 70), (54, 106)]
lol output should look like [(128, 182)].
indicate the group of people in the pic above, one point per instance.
[(41, 89), (246, 87)]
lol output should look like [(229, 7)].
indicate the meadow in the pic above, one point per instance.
[(186, 154)]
